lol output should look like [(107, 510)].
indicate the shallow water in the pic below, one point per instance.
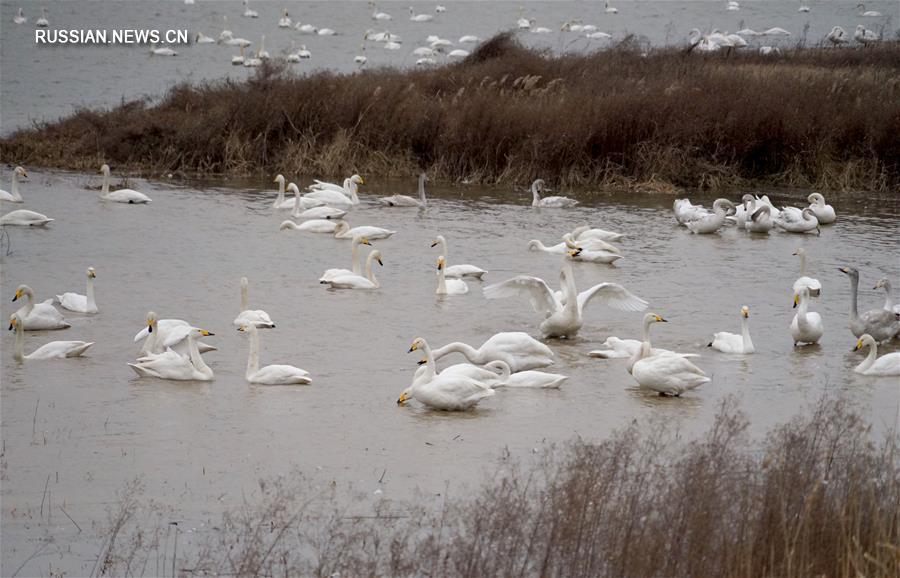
[(84, 427), (42, 82)]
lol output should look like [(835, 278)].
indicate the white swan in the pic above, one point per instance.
[(270, 374), (52, 350), (593, 244), (13, 195), (665, 374), (824, 213), (202, 38), (406, 200), (610, 9), (879, 323), (247, 316), (81, 303), (326, 226), (172, 365), (345, 199), (42, 22), (530, 378), (558, 249), (122, 195), (165, 51), (731, 343), (803, 8), (25, 218), (865, 36), (419, 17), (378, 15), (519, 350), (838, 36), (160, 334), (249, 12), (760, 220), (686, 211), (303, 202), (358, 281), (867, 13), (548, 202), (238, 59), (775, 32), (448, 392), (589, 256), (617, 348), (711, 222), (354, 262), (794, 220), (449, 286), (38, 316), (813, 285), (20, 17), (342, 230), (886, 365), (285, 20), (323, 212), (888, 298), (457, 271), (585, 232), (564, 317), (806, 327)]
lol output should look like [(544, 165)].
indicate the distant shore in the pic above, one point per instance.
[(815, 118)]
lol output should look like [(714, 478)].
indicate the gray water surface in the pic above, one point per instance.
[(42, 82), (84, 427)]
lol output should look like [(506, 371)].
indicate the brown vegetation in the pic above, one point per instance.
[(817, 498), (823, 118)]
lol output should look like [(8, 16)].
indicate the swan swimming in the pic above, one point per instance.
[(25, 218), (669, 375), (355, 269), (886, 365), (447, 392), (419, 17), (806, 327), (13, 195), (524, 379), (327, 226), (711, 222), (564, 318), (519, 350), (38, 316), (868, 13), (52, 350), (20, 17), (406, 200), (824, 213), (879, 323), (343, 231), (247, 316), (617, 348), (457, 271), (731, 343), (794, 220), (585, 233), (449, 286), (303, 202), (589, 256), (344, 198), (174, 366), (122, 195), (345, 281), (81, 303), (537, 187), (285, 20), (888, 298), (270, 374), (813, 285), (42, 22)]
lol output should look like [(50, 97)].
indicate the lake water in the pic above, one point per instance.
[(84, 427), (42, 82)]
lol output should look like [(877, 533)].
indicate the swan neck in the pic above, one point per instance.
[(854, 289), (802, 264), (442, 281), (430, 369), (465, 349), (745, 334), (505, 371), (370, 275), (244, 299), (535, 196), (15, 186), (570, 289), (354, 256), (443, 244), (870, 358), (422, 189), (152, 341), (104, 190), (19, 347), (296, 211), (91, 304), (253, 358), (196, 358)]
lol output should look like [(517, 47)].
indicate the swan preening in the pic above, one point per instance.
[(13, 195), (327, 226), (449, 286), (699, 219), (838, 36), (457, 271), (806, 326), (354, 262), (356, 281), (81, 303), (563, 317), (270, 374), (824, 213), (162, 334), (888, 297), (406, 200), (38, 316), (122, 195), (444, 391), (537, 187), (172, 365), (865, 36), (731, 343), (881, 324), (52, 350), (518, 350), (886, 365), (666, 374), (247, 316)]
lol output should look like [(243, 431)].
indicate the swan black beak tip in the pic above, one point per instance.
[(434, 244)]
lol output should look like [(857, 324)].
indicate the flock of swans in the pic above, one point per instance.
[(173, 349)]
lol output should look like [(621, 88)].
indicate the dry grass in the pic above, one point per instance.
[(812, 118), (817, 497)]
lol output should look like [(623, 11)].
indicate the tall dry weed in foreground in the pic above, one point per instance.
[(823, 118), (816, 497)]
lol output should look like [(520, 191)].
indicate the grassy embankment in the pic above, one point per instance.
[(812, 118), (817, 497)]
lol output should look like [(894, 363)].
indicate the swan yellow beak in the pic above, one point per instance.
[(859, 345), (413, 347), (365, 242), (745, 313), (206, 333), (362, 181), (92, 274), (796, 301), (422, 361), (17, 295), (434, 244), (659, 319), (402, 399), (12, 323)]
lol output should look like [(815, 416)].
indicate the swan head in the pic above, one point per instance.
[(292, 188), (864, 341), (417, 344), (20, 171), (151, 321), (247, 327), (800, 296), (438, 240), (13, 321), (745, 312), (653, 318), (361, 241), (356, 179), (747, 198), (574, 252), (538, 185), (376, 256), (104, 168), (816, 198), (279, 179), (799, 252), (881, 284), (91, 273), (849, 271), (405, 396), (22, 291), (440, 263)]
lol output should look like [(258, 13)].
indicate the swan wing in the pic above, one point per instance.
[(281, 375), (538, 292), (613, 295), (73, 302), (59, 350)]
